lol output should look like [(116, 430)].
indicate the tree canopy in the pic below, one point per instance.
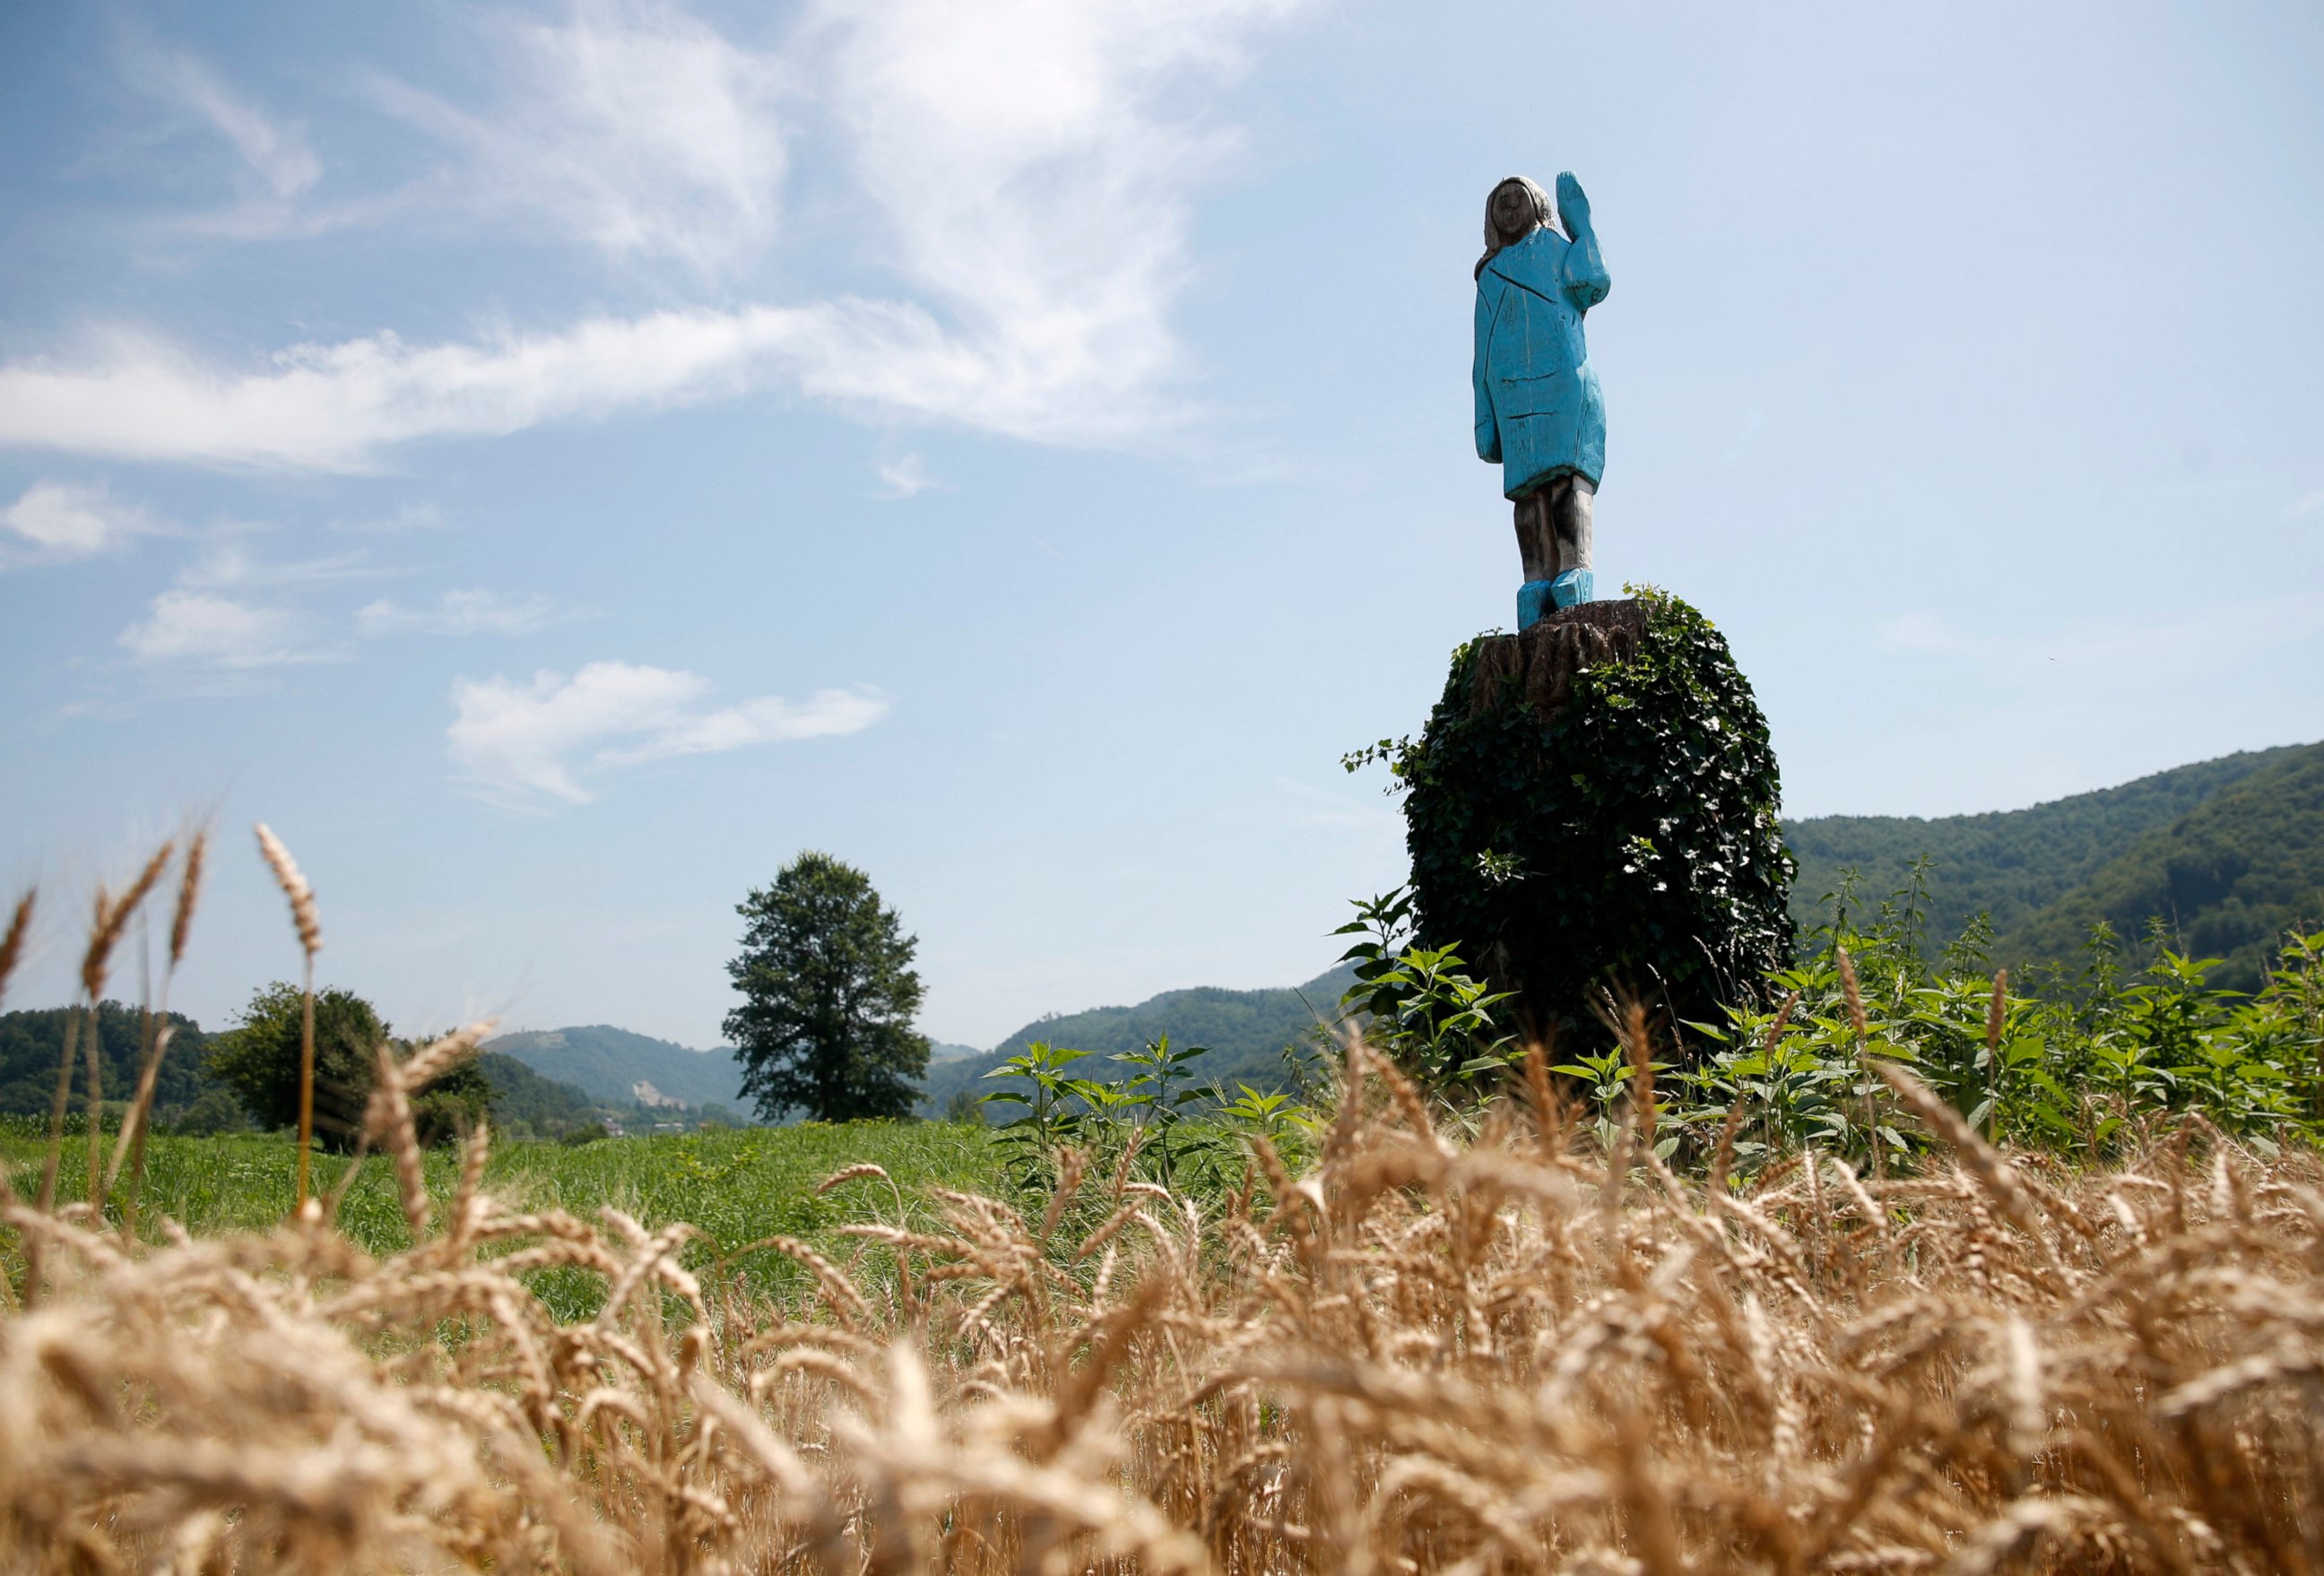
[(829, 995), (259, 1061)]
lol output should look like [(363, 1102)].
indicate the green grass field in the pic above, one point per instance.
[(736, 1186)]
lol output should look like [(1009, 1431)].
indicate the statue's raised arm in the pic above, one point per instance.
[(1539, 411), (1586, 280)]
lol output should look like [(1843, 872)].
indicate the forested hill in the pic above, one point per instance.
[(32, 1042), (2229, 877), (610, 1063), (2230, 851), (1245, 1031)]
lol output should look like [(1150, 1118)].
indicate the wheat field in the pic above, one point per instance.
[(1487, 1350), (1457, 1340)]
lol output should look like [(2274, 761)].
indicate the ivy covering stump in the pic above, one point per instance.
[(1591, 813)]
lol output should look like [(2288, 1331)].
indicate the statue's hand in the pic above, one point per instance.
[(1573, 206)]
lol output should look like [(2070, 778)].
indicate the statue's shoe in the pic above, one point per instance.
[(1532, 601), (1574, 588)]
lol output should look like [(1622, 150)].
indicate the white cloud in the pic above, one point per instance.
[(2303, 507), (1033, 177), (64, 520), (462, 613), (633, 126), (332, 407), (1299, 807), (540, 738), (203, 629), (1028, 172), (904, 478), (231, 611)]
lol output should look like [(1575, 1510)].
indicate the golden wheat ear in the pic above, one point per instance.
[(12, 945), (310, 926)]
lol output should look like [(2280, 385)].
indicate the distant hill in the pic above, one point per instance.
[(2007, 863), (31, 1043), (946, 1051), (2229, 877), (524, 1104), (610, 1063), (1245, 1031), (2230, 851)]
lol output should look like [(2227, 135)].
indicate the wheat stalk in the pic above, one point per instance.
[(301, 898)]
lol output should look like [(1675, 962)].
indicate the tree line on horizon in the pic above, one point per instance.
[(2227, 855)]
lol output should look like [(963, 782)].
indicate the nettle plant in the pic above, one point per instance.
[(2088, 1065), (1163, 1120), (1419, 1004)]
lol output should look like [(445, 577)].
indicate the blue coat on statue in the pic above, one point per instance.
[(1538, 409)]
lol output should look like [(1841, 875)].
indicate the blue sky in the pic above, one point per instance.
[(556, 463)]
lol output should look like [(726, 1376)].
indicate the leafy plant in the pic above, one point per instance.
[(1439, 1023), (1056, 1103), (1156, 1096)]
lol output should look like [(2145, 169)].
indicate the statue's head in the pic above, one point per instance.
[(1515, 209)]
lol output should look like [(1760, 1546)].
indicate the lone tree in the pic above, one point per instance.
[(829, 995)]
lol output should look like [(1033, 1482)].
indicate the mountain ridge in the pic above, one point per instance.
[(1245, 1032), (609, 1062), (2227, 880), (2004, 863)]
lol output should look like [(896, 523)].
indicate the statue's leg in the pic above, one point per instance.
[(1537, 536), (1570, 515), (1569, 498), (1537, 550)]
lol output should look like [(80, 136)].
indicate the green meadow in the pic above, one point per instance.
[(736, 1186)]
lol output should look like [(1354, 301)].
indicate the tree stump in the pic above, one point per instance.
[(1541, 664), (1592, 817)]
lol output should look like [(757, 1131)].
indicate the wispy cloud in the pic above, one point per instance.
[(1295, 805), (464, 613), (229, 564), (2304, 506), (204, 628), (409, 518), (904, 478), (55, 521), (233, 610), (1025, 168), (334, 407), (542, 739), (631, 125), (273, 151), (1033, 176)]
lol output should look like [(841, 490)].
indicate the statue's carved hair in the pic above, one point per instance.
[(1544, 214)]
